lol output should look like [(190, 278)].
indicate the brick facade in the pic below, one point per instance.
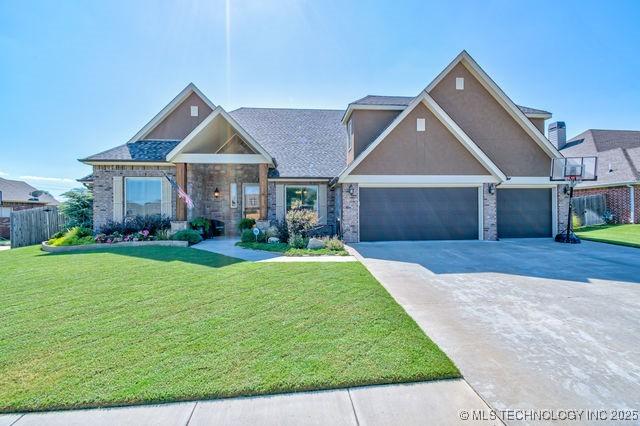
[(103, 188), (563, 207), (203, 179), (5, 222), (489, 213), (351, 213), (618, 201)]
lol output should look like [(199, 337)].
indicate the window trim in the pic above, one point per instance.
[(317, 187), (350, 131), (124, 192)]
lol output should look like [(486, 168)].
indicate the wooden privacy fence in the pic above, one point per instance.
[(590, 209), (34, 226)]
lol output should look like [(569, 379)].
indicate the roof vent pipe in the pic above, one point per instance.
[(558, 134)]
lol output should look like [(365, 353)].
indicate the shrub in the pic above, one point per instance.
[(246, 223), (162, 235), (283, 231), (188, 235), (333, 243), (301, 220), (272, 231), (74, 237), (247, 236), (78, 208), (131, 225), (298, 241), (201, 223)]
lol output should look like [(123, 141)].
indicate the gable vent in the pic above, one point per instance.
[(459, 83), (194, 110)]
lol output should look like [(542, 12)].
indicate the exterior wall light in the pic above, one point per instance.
[(492, 188), (216, 193), (352, 190)]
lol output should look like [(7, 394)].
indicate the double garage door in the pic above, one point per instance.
[(393, 214)]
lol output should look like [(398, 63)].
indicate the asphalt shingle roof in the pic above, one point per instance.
[(406, 100), (19, 191), (617, 150), (303, 142), (146, 150)]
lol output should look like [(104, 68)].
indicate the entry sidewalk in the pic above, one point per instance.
[(438, 402)]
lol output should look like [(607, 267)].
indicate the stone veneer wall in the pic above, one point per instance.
[(618, 201), (103, 188), (563, 208), (351, 213), (489, 213), (5, 222), (203, 179), (271, 200)]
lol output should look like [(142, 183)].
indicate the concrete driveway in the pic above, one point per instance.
[(532, 324)]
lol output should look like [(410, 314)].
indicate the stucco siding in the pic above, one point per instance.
[(490, 126), (367, 125), (405, 151), (179, 123)]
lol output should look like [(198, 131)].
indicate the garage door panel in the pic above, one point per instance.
[(388, 214), (524, 212)]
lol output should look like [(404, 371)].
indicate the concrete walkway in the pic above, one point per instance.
[(439, 402), (227, 247)]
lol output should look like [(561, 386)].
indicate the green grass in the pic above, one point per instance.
[(153, 324), (625, 235), (287, 250)]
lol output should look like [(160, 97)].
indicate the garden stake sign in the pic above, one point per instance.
[(256, 232)]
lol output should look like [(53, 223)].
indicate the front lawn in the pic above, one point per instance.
[(626, 235), (287, 250), (140, 325)]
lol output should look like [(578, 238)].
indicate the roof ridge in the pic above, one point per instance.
[(289, 109)]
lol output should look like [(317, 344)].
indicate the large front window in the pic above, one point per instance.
[(302, 196), (143, 196)]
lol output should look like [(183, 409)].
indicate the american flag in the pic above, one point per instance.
[(181, 192)]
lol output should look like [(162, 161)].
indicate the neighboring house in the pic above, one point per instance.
[(458, 161), (16, 195), (618, 169)]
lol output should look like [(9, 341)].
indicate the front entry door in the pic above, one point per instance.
[(251, 200)]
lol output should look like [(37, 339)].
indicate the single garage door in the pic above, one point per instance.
[(392, 214), (524, 213)]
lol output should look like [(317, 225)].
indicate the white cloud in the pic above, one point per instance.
[(3, 173), (50, 179)]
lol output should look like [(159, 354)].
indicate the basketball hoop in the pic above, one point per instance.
[(574, 170)]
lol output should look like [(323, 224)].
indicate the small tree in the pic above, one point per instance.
[(78, 208)]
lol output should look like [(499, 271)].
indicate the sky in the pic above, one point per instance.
[(77, 78)]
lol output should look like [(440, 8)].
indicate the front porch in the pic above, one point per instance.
[(224, 192), (224, 171)]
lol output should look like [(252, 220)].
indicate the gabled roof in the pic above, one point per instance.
[(175, 102), (401, 102), (618, 149), (304, 142), (433, 106), (472, 66), (20, 192), (220, 112), (140, 151)]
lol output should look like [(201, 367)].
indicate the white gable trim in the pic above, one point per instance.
[(431, 104), (171, 106), (219, 111), (472, 66)]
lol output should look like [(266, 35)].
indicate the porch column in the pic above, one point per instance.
[(181, 180), (262, 172)]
